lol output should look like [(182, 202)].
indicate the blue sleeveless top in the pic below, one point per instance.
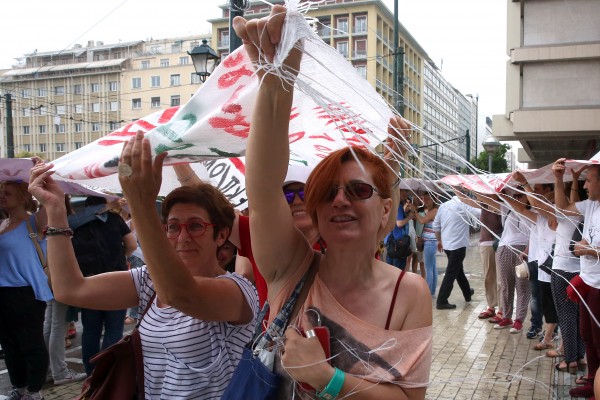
[(20, 265)]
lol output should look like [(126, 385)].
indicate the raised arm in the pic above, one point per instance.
[(491, 202), (562, 202), (542, 206), (110, 291), (277, 244)]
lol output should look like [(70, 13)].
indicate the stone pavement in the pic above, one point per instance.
[(471, 360)]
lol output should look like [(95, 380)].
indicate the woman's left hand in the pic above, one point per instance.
[(399, 135), (304, 359), (145, 177), (44, 188)]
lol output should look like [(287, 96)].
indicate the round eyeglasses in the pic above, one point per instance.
[(193, 228)]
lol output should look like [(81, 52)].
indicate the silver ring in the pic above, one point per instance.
[(124, 170), (310, 333)]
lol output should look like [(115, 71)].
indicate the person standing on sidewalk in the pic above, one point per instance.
[(588, 249), (451, 226)]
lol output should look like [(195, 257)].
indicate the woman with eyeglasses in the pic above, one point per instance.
[(378, 316), (24, 291), (189, 351)]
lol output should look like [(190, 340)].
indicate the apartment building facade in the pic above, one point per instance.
[(553, 80), (65, 99)]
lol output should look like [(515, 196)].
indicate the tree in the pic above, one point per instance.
[(499, 163), (27, 154)]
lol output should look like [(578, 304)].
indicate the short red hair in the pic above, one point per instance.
[(324, 177)]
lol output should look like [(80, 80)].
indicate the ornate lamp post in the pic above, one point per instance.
[(490, 145), (205, 60)]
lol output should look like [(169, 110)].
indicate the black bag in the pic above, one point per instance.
[(533, 273), (577, 237), (398, 249)]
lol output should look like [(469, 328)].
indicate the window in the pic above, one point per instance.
[(155, 102), (60, 147), (113, 86), (184, 60), (176, 47), (136, 104), (43, 148), (78, 145), (95, 107), (175, 100), (360, 24), (342, 47), (25, 93), (26, 130), (145, 64), (27, 147), (136, 83), (362, 70), (42, 92), (59, 128), (78, 108), (59, 90), (95, 126), (341, 26), (223, 38), (26, 112), (78, 127), (42, 129), (95, 87), (112, 125), (195, 78), (61, 110), (324, 28), (164, 62), (175, 80), (360, 48), (77, 89), (42, 110), (155, 81), (113, 106), (155, 49)]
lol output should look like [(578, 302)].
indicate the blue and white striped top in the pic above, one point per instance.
[(188, 358)]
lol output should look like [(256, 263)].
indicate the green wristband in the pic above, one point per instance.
[(334, 387)]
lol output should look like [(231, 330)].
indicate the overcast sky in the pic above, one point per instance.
[(469, 35)]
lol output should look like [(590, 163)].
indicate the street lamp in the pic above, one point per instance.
[(476, 98), (490, 145), (205, 60)]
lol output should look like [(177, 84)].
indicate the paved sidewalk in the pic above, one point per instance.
[(471, 360)]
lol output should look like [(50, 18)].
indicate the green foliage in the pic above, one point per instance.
[(499, 162)]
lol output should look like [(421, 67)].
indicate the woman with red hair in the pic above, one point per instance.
[(379, 317)]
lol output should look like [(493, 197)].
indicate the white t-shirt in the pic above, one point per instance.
[(590, 265), (545, 239), (188, 358), (564, 260), (516, 231)]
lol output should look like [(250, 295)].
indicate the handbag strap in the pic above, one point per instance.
[(280, 322), (137, 351), (33, 237)]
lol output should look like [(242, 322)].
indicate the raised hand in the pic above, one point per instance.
[(44, 188), (399, 136), (558, 168)]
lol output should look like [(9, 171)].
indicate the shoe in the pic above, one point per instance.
[(489, 313), (71, 333), (14, 395), (497, 318), (71, 376), (543, 346), (446, 306), (572, 369), (471, 293), (517, 327), (586, 390), (554, 353), (533, 332), (32, 396), (505, 323)]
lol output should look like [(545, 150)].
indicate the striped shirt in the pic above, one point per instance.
[(184, 357)]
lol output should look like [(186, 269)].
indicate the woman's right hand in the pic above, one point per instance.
[(44, 188)]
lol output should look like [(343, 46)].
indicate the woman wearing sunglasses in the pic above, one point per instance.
[(379, 318), (189, 351)]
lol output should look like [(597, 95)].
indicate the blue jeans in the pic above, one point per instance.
[(429, 252), (93, 321)]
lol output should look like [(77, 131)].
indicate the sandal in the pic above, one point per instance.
[(584, 380), (554, 353), (572, 369), (489, 313), (543, 346)]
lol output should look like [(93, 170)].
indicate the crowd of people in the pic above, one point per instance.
[(202, 271)]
